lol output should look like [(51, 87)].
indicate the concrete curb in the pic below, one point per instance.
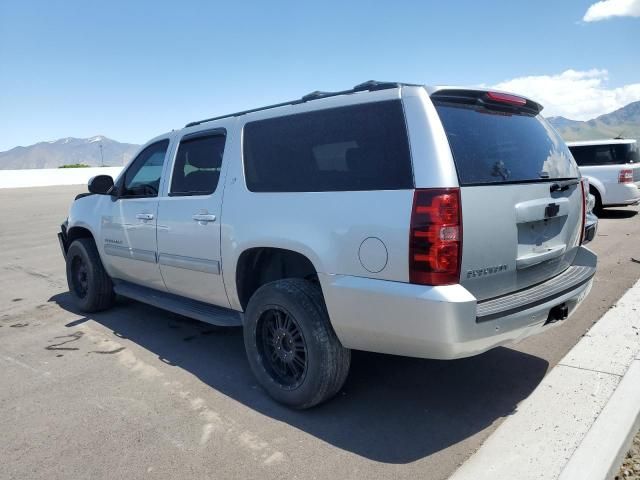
[(580, 419), (603, 448)]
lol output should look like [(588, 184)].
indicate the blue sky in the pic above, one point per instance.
[(133, 69)]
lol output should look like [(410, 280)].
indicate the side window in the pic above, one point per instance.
[(603, 156), (142, 179), (626, 153), (197, 166), (591, 155), (354, 148)]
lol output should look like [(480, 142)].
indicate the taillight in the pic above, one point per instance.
[(625, 176), (435, 243), (584, 185)]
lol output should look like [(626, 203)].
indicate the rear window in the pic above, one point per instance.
[(605, 154), (503, 147), (360, 147)]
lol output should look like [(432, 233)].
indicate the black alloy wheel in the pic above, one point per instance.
[(282, 347)]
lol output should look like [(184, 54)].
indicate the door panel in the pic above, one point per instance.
[(189, 250), (129, 232), (130, 242), (189, 220)]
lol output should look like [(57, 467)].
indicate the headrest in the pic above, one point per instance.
[(200, 156), (358, 158)]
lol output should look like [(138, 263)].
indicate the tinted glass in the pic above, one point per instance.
[(605, 154), (142, 179), (197, 166), (496, 147), (360, 147), (626, 153)]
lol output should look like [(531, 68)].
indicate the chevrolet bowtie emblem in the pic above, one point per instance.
[(551, 210)]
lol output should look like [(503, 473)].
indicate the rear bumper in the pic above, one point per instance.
[(590, 228), (447, 322), (621, 194)]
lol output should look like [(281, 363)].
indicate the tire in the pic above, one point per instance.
[(88, 282), (597, 208), (286, 324)]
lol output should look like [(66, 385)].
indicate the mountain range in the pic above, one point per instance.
[(624, 122), (94, 151), (100, 150)]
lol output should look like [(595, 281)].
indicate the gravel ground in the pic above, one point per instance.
[(630, 468)]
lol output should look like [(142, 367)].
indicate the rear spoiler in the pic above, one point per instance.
[(488, 99)]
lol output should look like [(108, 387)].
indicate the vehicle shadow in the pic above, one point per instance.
[(617, 213), (392, 409)]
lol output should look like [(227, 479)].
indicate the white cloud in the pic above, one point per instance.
[(578, 95), (612, 8)]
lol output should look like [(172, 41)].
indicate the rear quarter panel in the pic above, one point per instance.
[(605, 179), (327, 227)]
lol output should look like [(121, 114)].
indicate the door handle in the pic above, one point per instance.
[(204, 217), (144, 216)]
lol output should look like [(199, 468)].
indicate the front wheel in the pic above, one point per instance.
[(88, 282), (291, 346)]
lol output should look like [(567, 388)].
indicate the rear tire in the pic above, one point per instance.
[(88, 282), (597, 208), (291, 346)]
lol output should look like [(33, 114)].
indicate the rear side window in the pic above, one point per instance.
[(492, 146), (605, 154), (197, 166), (360, 147)]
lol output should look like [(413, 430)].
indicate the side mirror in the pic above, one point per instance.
[(100, 184)]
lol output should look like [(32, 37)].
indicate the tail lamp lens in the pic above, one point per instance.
[(625, 176), (435, 244)]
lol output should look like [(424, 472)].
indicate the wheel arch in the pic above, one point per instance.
[(78, 231), (597, 185), (257, 266)]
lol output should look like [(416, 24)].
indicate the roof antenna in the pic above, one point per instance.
[(619, 136)]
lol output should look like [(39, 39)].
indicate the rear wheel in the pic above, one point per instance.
[(88, 282), (597, 208), (291, 346)]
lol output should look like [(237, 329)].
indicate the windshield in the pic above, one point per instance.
[(497, 147)]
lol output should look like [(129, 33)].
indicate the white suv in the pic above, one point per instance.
[(395, 218), (613, 170)]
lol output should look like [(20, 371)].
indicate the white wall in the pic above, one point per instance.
[(53, 176)]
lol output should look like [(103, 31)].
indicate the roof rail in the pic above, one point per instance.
[(370, 85)]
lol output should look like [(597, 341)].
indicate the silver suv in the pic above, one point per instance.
[(394, 218)]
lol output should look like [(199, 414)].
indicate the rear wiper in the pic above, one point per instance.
[(563, 185)]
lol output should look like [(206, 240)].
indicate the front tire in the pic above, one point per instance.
[(291, 346), (88, 282)]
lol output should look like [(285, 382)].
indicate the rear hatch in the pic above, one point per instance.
[(522, 201)]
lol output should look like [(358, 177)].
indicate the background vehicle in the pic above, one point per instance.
[(612, 168), (429, 222)]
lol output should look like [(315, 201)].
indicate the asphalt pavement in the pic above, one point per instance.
[(136, 392)]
